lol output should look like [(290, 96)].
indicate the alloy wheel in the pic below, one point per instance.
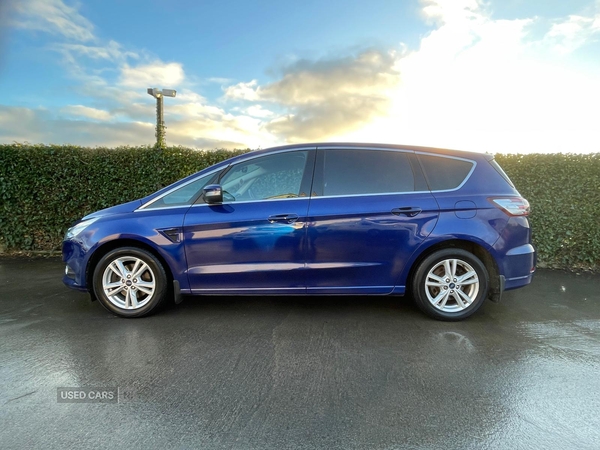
[(128, 282), (451, 285)]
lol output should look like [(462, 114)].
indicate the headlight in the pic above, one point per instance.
[(74, 231)]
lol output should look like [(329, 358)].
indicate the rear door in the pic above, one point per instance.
[(368, 213)]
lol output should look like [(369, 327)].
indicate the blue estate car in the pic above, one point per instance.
[(446, 226)]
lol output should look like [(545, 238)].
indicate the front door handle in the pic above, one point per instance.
[(410, 211), (283, 218)]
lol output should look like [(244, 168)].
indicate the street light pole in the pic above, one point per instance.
[(160, 123)]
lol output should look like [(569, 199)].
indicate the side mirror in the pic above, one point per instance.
[(213, 193)]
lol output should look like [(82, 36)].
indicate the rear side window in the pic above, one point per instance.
[(444, 173), (499, 169), (355, 172)]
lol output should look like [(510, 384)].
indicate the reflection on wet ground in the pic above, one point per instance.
[(300, 373)]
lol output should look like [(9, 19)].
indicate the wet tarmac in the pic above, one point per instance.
[(300, 373)]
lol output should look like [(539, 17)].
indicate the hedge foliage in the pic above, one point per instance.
[(564, 193), (44, 188)]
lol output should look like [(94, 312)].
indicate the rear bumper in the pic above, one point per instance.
[(519, 266)]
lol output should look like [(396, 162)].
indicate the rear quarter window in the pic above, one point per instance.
[(499, 169), (444, 173)]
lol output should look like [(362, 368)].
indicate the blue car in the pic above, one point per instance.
[(446, 226)]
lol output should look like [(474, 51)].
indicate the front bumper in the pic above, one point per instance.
[(74, 257)]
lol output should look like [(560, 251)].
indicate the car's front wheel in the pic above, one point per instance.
[(130, 282), (450, 284)]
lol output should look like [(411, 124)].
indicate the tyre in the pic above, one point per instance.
[(130, 282), (450, 284)]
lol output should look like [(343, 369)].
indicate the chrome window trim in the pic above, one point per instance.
[(371, 195), (351, 147), (250, 157), (251, 201), (139, 210), (310, 198), (145, 205)]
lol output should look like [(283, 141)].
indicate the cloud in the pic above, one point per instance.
[(324, 120), (112, 80), (51, 16), (484, 84), (157, 74), (575, 31), (258, 111), (312, 82), (42, 126), (86, 112), (243, 91), (22, 124), (474, 82), (324, 97), (112, 51), (442, 12), (330, 97)]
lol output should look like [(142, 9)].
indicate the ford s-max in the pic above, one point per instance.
[(447, 227)]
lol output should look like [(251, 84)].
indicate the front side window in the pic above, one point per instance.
[(268, 177), (356, 172), (185, 195)]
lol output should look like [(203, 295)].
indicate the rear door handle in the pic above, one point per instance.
[(410, 211), (283, 218)]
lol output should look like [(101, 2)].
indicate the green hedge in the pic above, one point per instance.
[(45, 188), (564, 193)]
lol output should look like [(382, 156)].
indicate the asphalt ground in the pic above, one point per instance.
[(298, 372)]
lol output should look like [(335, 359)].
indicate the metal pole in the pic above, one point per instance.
[(161, 140), (160, 124)]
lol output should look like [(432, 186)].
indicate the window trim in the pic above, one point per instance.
[(146, 205), (225, 169), (370, 195), (195, 205), (317, 153)]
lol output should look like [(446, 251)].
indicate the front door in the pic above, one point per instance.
[(255, 240)]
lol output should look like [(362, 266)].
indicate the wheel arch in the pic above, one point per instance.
[(118, 243), (495, 288)]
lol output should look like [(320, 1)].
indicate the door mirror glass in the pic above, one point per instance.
[(213, 193)]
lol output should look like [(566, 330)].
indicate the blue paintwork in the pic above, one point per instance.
[(235, 245), (333, 245), (358, 242)]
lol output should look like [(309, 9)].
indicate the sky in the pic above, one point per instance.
[(512, 76)]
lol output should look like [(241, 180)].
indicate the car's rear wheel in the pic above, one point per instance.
[(130, 282), (450, 284)]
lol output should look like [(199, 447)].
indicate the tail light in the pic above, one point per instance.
[(513, 206)]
